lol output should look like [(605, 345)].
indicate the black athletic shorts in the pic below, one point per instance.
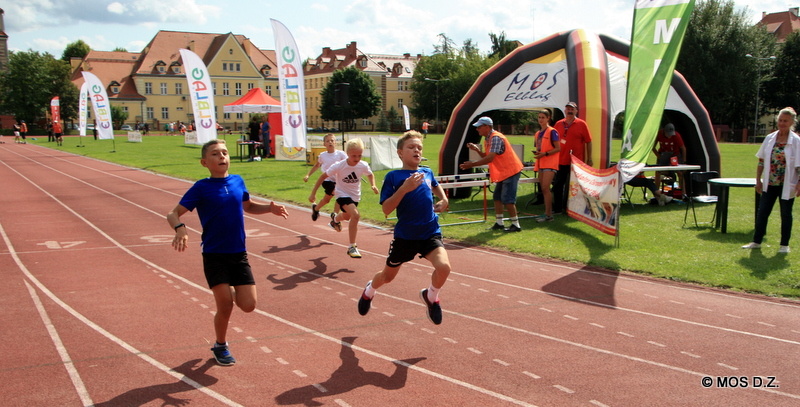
[(345, 201), (227, 268), (402, 250), (328, 187)]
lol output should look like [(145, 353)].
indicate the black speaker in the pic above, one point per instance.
[(341, 94)]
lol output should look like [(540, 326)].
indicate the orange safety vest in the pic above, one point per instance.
[(550, 161), (503, 165)]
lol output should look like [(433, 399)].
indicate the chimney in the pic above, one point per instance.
[(191, 46), (795, 11)]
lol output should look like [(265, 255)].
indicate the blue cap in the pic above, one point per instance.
[(484, 120)]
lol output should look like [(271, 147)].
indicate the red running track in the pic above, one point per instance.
[(99, 310)]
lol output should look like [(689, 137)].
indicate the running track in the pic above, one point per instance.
[(99, 310)]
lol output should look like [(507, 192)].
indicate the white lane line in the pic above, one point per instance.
[(766, 324), (564, 389), (299, 373), (660, 345), (320, 387), (727, 366), (531, 375), (475, 351), (597, 325), (341, 403), (691, 355), (501, 362), (97, 328), (626, 334), (266, 349), (77, 382)]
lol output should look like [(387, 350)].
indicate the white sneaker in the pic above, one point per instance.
[(667, 199), (752, 245), (784, 249), (662, 200)]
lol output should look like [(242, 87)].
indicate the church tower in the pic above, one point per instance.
[(3, 43)]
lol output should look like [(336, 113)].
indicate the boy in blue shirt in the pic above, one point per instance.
[(221, 201), (410, 191)]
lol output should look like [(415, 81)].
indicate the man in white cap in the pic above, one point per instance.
[(504, 170)]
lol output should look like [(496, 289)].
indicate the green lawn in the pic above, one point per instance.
[(653, 240)]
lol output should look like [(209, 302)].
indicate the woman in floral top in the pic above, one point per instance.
[(777, 177)]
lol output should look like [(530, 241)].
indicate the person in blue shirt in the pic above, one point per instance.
[(410, 191), (221, 201), (265, 138)]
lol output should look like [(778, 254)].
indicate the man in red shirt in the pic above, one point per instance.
[(575, 140), (670, 144), (58, 131)]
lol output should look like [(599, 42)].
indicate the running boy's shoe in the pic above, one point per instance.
[(364, 303), (353, 252), (434, 309), (314, 212), (223, 355), (337, 226)]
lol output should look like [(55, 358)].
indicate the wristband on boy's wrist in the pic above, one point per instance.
[(178, 225)]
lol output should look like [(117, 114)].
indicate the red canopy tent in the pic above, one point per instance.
[(257, 101)]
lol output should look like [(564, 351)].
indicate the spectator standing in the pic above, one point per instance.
[(504, 170), (267, 143), (547, 157), (777, 175), (575, 140)]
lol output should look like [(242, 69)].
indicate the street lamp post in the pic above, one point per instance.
[(758, 87), (436, 82)]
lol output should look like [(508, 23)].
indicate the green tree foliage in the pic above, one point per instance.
[(119, 49), (782, 88), (118, 116), (713, 60), (500, 46), (31, 81), (77, 49), (365, 101)]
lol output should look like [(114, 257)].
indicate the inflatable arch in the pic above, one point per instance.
[(574, 66)]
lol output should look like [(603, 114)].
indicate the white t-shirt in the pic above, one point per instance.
[(348, 178), (327, 159)]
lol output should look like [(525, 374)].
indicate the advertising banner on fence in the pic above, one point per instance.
[(100, 106), (290, 76), (202, 94), (594, 196)]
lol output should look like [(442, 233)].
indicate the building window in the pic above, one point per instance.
[(148, 88), (400, 104), (238, 88), (226, 89), (161, 69), (268, 89), (165, 113), (240, 116), (163, 88), (238, 67), (224, 66), (150, 114), (363, 62), (251, 85), (214, 88), (178, 88), (176, 69), (226, 116), (115, 89)]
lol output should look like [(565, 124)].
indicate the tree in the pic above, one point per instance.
[(713, 60), (32, 79), (77, 49), (119, 49), (363, 97), (500, 46), (781, 89), (118, 116)]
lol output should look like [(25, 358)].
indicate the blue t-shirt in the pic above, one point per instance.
[(219, 206), (416, 219)]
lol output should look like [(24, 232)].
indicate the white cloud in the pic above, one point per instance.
[(116, 8)]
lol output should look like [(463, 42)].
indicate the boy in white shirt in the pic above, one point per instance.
[(324, 161), (347, 174)]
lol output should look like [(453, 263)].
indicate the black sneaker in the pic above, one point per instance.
[(513, 228), (337, 226), (497, 226), (314, 212), (364, 303), (223, 355), (434, 310)]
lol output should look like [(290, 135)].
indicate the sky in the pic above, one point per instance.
[(378, 26)]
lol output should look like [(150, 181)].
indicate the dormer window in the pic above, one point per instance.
[(114, 86), (265, 70), (175, 67), (161, 67), (363, 62)]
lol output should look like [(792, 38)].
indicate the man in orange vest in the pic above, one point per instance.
[(504, 170)]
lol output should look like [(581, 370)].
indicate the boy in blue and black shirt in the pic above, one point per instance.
[(410, 191), (221, 201)]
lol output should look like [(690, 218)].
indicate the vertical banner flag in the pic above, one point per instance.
[(406, 117), (55, 109), (658, 29), (202, 94), (290, 78), (82, 108), (594, 196), (100, 106)]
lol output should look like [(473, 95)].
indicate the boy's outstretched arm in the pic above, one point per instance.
[(181, 238), (311, 171), (371, 178), (257, 208)]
